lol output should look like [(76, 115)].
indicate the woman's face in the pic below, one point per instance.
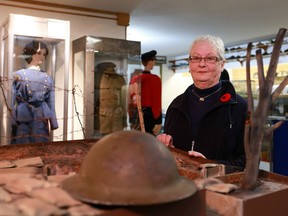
[(39, 57), (205, 74)]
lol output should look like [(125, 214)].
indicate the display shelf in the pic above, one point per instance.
[(238, 53), (178, 64), (238, 49), (242, 59)]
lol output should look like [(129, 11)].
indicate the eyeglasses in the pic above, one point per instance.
[(207, 59)]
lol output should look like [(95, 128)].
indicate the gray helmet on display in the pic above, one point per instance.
[(129, 168)]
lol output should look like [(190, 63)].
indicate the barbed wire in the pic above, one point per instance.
[(76, 111), (7, 92), (76, 91), (4, 96)]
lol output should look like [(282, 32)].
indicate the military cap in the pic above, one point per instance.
[(148, 55)]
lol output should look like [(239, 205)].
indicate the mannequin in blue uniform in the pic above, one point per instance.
[(33, 98)]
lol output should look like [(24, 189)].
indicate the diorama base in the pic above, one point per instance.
[(269, 198)]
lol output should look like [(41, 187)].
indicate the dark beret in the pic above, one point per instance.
[(148, 55)]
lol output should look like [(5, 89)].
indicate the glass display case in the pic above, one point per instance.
[(17, 33), (101, 71), (279, 108)]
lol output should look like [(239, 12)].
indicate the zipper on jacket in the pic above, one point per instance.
[(230, 118)]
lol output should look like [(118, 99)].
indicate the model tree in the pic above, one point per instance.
[(255, 130)]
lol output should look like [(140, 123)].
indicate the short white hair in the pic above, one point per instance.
[(215, 41)]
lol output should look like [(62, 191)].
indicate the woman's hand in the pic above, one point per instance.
[(196, 154), (166, 139)]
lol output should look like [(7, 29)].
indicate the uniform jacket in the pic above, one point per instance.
[(220, 135), (150, 92), (33, 89)]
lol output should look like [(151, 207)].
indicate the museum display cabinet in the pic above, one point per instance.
[(18, 31), (101, 73)]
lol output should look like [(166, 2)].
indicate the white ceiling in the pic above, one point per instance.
[(169, 26)]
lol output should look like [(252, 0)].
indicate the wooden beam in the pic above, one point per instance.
[(122, 19)]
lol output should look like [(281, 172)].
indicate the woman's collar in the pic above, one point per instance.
[(34, 67)]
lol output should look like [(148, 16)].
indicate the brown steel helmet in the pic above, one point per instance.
[(129, 168)]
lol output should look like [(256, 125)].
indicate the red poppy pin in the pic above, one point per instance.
[(225, 98)]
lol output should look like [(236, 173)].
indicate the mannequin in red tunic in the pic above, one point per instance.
[(150, 91)]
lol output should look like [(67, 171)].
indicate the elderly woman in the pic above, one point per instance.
[(208, 119)]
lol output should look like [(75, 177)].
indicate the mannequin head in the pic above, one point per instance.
[(35, 52), (148, 59)]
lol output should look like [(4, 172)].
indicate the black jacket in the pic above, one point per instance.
[(220, 135)]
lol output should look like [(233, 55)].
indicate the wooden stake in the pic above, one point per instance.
[(139, 107)]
